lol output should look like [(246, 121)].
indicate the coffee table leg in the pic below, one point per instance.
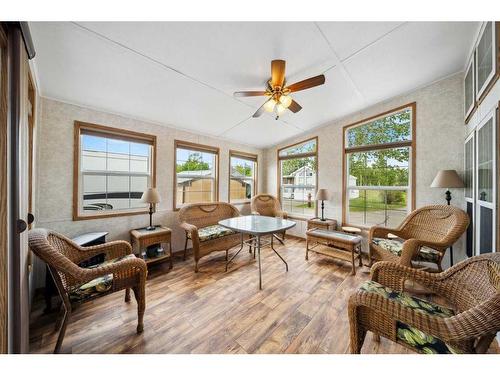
[(360, 253), (272, 247), (260, 269), (234, 256)]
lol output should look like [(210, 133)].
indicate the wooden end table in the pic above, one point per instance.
[(328, 224), (144, 238), (352, 230)]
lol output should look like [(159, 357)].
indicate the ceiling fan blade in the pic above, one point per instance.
[(294, 107), (249, 93), (260, 111), (307, 83), (277, 72)]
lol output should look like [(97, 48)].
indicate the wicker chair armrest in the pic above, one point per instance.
[(112, 250), (393, 275), (192, 230), (411, 248), (121, 268), (381, 232), (282, 214)]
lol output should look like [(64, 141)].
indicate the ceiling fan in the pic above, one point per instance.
[(278, 93)]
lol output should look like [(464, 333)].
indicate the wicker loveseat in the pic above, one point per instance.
[(426, 233), (200, 221), (471, 288), (120, 270)]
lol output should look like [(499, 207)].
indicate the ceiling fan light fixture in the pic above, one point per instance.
[(280, 108), (269, 105), (285, 101)]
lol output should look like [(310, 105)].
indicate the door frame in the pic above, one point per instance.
[(3, 194)]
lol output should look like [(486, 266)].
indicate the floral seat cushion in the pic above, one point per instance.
[(96, 286), (421, 341), (426, 254), (211, 232)]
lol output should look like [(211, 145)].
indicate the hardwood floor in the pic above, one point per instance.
[(300, 311)]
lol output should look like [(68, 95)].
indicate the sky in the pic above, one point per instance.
[(93, 143)]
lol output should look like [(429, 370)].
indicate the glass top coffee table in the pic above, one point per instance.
[(257, 227)]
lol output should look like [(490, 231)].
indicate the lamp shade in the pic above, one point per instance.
[(322, 195), (151, 196), (447, 178)]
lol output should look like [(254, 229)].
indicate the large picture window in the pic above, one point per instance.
[(196, 173), (379, 169), (113, 167), (242, 176), (298, 167)]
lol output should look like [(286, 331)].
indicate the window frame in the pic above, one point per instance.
[(118, 133), (247, 156), (411, 144), (298, 156), (200, 148)]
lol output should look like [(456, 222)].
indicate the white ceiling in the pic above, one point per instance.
[(183, 74)]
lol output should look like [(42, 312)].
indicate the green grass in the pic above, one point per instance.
[(373, 203)]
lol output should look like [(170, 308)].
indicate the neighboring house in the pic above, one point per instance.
[(194, 186), (300, 185), (352, 182)]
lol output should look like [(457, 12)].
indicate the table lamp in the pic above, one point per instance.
[(322, 195), (447, 178), (152, 197)]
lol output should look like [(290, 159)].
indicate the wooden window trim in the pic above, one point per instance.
[(411, 144), (306, 154), (247, 156), (119, 134), (195, 147)]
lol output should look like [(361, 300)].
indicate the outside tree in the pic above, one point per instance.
[(193, 163)]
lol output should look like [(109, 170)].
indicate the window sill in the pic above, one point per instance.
[(78, 217)]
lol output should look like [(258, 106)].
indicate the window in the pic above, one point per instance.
[(242, 176), (379, 169), (297, 165), (113, 167), (196, 173)]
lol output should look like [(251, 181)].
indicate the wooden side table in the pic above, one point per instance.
[(352, 230), (327, 224), (144, 238)]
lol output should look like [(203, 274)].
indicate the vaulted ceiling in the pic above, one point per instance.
[(183, 74)]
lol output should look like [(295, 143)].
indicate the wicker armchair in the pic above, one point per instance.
[(427, 233), (471, 287), (268, 205), (75, 284), (200, 222)]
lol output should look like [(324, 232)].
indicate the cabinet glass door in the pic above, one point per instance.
[(485, 183), (485, 58), (469, 93), (469, 181)]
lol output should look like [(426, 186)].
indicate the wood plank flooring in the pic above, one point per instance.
[(300, 311)]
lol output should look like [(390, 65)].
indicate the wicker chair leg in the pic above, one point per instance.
[(62, 331), (227, 255), (140, 297), (358, 334), (376, 337), (195, 266), (127, 295), (60, 317), (185, 248)]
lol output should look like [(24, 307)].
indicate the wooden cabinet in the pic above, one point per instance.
[(483, 67)]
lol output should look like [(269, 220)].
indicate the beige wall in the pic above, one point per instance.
[(55, 171), (440, 136)]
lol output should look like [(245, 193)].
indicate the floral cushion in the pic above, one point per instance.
[(426, 254), (211, 232), (97, 286), (421, 341)]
